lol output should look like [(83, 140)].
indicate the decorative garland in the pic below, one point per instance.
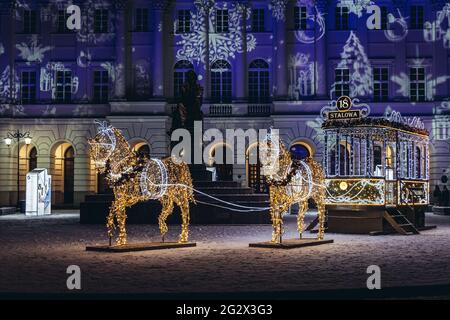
[(124, 177), (372, 122), (295, 165)]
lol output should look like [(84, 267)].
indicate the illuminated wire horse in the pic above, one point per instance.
[(135, 178), (291, 181)]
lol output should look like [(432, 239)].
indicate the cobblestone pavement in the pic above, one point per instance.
[(35, 252)]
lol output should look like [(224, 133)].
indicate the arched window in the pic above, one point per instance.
[(258, 81), (32, 162), (221, 81), (300, 151), (179, 76)]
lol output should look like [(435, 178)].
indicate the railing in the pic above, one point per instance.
[(259, 109), (221, 110)]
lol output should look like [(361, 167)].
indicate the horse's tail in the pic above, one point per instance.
[(186, 179), (189, 182)]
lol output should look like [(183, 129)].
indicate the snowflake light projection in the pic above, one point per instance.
[(356, 6), (222, 46), (2, 49), (354, 58), (19, 6), (278, 8), (316, 125), (402, 79), (440, 28), (303, 77), (32, 51), (397, 27), (316, 18)]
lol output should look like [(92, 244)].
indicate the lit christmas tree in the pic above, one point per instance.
[(354, 58)]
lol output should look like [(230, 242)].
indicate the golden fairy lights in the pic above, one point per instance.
[(136, 179), (294, 181)]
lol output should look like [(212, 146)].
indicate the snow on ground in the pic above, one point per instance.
[(35, 252)]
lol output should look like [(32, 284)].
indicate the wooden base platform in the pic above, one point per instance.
[(291, 243), (140, 246), (443, 211)]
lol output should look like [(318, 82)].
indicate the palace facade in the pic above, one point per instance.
[(268, 63)]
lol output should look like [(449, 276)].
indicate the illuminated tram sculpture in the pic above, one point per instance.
[(377, 170)]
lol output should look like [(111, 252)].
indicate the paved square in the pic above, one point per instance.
[(35, 253)]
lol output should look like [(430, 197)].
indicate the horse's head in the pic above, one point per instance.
[(274, 157), (102, 145)]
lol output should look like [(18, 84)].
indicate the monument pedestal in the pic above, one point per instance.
[(442, 211), (199, 172)]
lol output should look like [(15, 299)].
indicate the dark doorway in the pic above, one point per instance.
[(69, 175), (144, 151), (102, 184), (256, 180), (32, 162), (224, 171)]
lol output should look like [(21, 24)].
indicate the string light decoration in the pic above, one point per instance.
[(135, 178), (292, 181), (376, 157)]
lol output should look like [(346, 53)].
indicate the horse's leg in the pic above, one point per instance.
[(110, 221), (167, 208), (302, 208), (121, 221), (321, 212), (184, 207), (276, 236)]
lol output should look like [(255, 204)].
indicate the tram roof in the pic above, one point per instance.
[(373, 122)]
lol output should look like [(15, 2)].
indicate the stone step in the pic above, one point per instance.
[(216, 184), (148, 212), (7, 210), (226, 190)]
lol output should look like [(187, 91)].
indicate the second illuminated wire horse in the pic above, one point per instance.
[(292, 181)]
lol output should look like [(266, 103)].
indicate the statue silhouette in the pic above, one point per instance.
[(189, 106)]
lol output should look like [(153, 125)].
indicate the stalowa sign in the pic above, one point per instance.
[(345, 108)]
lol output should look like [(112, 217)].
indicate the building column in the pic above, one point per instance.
[(8, 167), (122, 68), (159, 30), (241, 74), (320, 47), (281, 52), (82, 178)]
